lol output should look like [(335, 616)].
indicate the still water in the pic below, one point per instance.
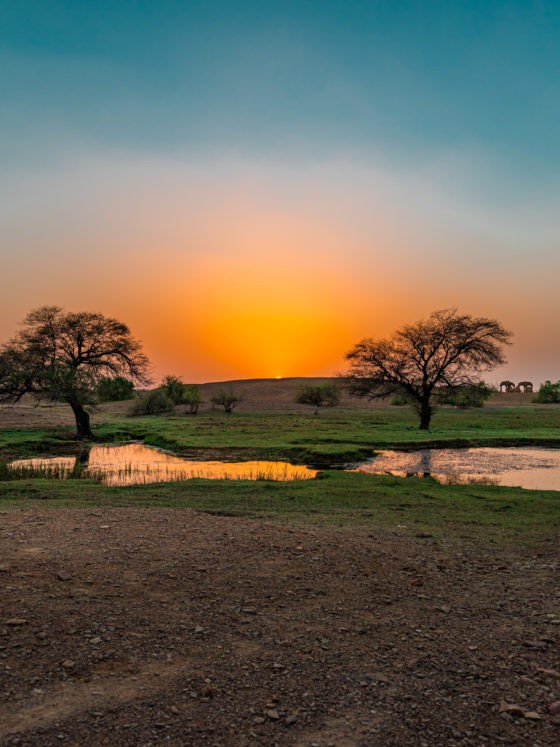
[(136, 464), (533, 468)]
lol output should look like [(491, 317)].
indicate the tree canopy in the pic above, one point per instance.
[(446, 350), (64, 356)]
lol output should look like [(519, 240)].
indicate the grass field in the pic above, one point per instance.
[(336, 498)]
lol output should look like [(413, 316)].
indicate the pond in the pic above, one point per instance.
[(532, 468), (136, 464)]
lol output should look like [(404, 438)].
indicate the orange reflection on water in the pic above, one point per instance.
[(136, 464), (50, 467)]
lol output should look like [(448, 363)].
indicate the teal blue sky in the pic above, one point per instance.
[(415, 142), (317, 75)]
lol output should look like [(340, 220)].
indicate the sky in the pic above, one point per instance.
[(253, 187)]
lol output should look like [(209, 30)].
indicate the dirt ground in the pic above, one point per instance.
[(155, 626)]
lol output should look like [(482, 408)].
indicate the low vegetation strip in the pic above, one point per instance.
[(381, 503)]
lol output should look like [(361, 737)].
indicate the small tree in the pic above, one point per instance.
[(115, 389), (321, 395), (446, 350), (548, 393), (228, 399), (173, 387), (192, 399), (64, 355)]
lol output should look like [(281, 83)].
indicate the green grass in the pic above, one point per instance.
[(334, 436), (380, 503)]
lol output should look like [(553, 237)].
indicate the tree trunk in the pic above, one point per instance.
[(83, 429), (425, 414)]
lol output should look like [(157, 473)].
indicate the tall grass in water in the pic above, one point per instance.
[(141, 473), (134, 474), (35, 470)]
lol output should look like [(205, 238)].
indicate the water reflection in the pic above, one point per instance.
[(136, 464), (532, 468)]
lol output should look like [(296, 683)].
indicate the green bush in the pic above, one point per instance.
[(321, 395), (227, 398), (548, 393), (471, 395), (191, 398), (400, 399), (155, 402), (115, 389), (173, 387)]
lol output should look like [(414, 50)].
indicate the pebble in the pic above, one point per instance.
[(68, 664), (554, 708), (512, 708), (550, 673), (13, 621), (63, 575), (273, 714)]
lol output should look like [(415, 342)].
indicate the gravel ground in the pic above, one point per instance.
[(149, 626)]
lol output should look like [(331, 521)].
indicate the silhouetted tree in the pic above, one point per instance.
[(446, 350), (64, 355)]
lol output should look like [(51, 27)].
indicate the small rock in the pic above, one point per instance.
[(104, 526), (207, 691), (4, 568), (68, 664), (174, 710), (259, 720), (417, 582), (291, 720), (96, 640), (273, 714), (554, 708), (13, 621), (248, 610), (63, 575), (531, 716), (512, 708), (552, 674), (199, 629)]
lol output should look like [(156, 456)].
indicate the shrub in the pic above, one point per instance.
[(152, 403), (472, 395), (115, 390), (191, 398), (227, 398), (400, 399), (548, 393), (173, 387), (322, 395)]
